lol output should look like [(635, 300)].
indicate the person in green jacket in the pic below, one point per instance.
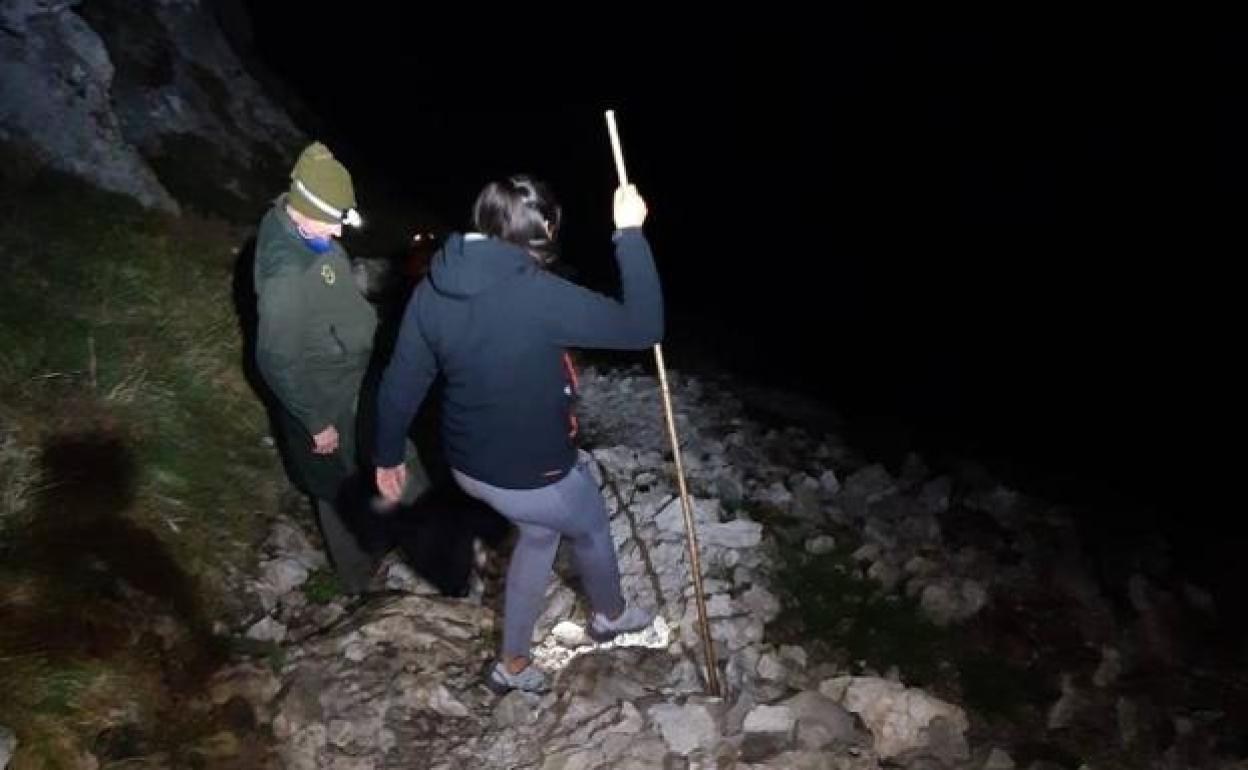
[(314, 341)]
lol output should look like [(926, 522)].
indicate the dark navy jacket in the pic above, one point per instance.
[(496, 326)]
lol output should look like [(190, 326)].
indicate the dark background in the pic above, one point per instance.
[(1009, 238)]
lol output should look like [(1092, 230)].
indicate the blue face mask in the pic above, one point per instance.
[(319, 244)]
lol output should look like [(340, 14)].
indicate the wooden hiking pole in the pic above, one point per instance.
[(691, 534)]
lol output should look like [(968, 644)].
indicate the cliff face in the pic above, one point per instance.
[(144, 98)]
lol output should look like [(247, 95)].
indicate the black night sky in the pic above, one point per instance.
[(976, 235)]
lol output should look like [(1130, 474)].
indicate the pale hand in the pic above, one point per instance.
[(390, 482), (630, 209), (325, 442)]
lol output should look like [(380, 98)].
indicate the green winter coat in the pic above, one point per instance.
[(313, 345)]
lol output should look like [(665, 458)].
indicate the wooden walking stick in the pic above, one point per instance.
[(691, 534)]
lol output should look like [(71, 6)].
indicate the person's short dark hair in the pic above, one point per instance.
[(521, 210)]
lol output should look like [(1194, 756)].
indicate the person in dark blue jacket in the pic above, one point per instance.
[(496, 325)]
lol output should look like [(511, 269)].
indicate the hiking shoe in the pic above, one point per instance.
[(633, 618), (529, 679)]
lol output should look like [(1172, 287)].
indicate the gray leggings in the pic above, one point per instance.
[(570, 507)]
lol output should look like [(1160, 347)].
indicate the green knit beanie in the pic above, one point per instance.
[(320, 187)]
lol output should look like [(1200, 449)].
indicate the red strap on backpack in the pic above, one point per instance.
[(570, 372)]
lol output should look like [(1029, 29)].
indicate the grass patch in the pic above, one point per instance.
[(19, 478), (830, 602), (128, 317), (54, 706), (770, 516), (134, 484), (272, 653), (322, 587), (867, 627), (60, 688)]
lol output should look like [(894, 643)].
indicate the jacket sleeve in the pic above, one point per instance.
[(279, 349), (580, 318), (404, 385)]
